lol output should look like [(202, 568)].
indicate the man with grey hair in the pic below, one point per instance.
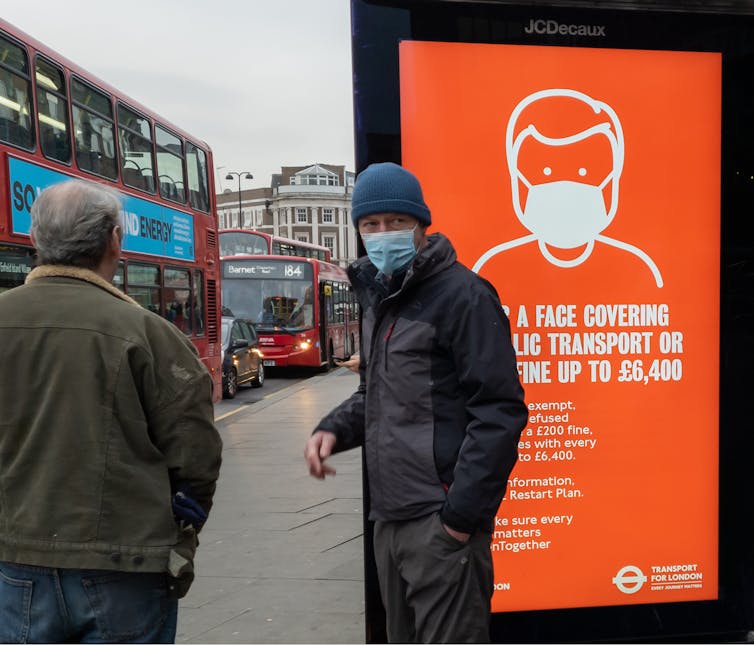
[(106, 417)]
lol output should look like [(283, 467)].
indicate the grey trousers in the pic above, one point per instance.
[(435, 589)]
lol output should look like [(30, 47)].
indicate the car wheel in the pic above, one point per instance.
[(230, 384), (259, 380)]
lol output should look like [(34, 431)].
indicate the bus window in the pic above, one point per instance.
[(196, 167), (354, 310), (340, 302), (287, 248), (15, 264), (119, 281), (52, 111), (198, 303), (329, 293), (242, 244), (15, 96), (143, 285), (177, 291), (303, 312), (135, 140), (170, 165), (94, 130)]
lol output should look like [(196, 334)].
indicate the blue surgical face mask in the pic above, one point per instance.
[(390, 251)]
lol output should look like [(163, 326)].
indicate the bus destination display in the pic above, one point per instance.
[(267, 269)]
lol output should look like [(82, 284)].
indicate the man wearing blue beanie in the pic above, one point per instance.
[(439, 411)]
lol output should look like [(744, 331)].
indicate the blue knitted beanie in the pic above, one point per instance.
[(388, 188)]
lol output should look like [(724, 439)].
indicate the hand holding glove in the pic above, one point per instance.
[(187, 511)]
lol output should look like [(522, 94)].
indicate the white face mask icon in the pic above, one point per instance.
[(565, 214)]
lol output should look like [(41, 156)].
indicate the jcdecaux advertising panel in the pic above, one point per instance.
[(592, 178)]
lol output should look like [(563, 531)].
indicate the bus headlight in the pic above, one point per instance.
[(303, 345)]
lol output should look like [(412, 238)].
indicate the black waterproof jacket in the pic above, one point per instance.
[(440, 407)]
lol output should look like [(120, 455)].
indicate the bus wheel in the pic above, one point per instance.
[(353, 346), (330, 356), (230, 384)]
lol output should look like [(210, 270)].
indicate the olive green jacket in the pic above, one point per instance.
[(103, 405)]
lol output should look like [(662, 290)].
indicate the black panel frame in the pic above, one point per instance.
[(727, 27)]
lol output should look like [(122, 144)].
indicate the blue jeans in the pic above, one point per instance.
[(43, 605)]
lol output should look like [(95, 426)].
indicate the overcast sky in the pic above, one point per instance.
[(266, 83)]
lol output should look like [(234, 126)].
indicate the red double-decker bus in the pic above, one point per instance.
[(239, 241), (304, 310), (59, 122)]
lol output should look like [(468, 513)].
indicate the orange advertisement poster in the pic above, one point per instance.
[(584, 184)]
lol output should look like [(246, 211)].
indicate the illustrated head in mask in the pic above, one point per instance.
[(565, 152), (388, 210)]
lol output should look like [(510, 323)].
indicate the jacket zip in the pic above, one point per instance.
[(381, 312), (388, 334)]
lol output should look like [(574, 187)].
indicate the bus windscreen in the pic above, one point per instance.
[(237, 243), (273, 295)]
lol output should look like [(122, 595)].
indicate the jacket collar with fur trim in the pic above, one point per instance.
[(77, 273)]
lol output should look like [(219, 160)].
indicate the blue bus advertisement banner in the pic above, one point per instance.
[(148, 227)]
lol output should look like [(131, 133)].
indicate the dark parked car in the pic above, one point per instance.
[(242, 360)]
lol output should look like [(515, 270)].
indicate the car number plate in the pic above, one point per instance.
[(269, 363)]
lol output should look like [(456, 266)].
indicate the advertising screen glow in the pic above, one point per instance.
[(584, 183)]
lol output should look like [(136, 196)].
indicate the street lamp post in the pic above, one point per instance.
[(246, 175)]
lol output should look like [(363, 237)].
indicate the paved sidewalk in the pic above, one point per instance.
[(281, 558)]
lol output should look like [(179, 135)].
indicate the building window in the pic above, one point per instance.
[(329, 242), (327, 215), (301, 216), (313, 178), (316, 180), (302, 237)]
